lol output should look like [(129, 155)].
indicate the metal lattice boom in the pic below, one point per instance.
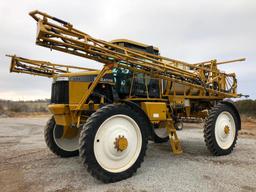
[(60, 35), (41, 68)]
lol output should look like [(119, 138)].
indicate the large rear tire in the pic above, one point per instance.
[(100, 148), (62, 147), (221, 129)]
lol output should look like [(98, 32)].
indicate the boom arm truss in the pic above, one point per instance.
[(60, 35), (41, 68)]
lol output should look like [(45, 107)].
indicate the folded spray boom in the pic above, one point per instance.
[(41, 68), (60, 35)]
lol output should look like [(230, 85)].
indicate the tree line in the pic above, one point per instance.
[(245, 107)]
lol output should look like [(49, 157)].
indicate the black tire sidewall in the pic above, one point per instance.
[(50, 141), (217, 148), (91, 160)]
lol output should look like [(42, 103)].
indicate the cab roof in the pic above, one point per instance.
[(115, 41)]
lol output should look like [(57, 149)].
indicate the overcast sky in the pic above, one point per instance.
[(189, 30)]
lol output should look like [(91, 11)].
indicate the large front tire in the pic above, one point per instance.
[(100, 138), (62, 147), (221, 129)]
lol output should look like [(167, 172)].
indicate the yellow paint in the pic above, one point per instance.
[(226, 130), (156, 111), (173, 137), (58, 109), (121, 143), (77, 90)]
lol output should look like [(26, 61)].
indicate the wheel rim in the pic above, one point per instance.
[(179, 125), (106, 153), (67, 144), (161, 132), (225, 130)]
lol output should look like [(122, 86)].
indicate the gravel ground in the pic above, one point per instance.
[(27, 165)]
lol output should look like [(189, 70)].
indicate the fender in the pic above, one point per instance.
[(136, 107)]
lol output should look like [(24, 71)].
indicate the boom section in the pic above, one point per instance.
[(41, 68), (60, 35)]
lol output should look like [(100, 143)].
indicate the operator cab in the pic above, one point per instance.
[(129, 84)]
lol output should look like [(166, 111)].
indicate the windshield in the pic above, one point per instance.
[(129, 84), (122, 79)]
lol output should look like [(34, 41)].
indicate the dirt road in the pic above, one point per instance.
[(27, 165)]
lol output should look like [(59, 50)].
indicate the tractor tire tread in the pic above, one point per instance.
[(87, 138), (209, 130), (49, 140)]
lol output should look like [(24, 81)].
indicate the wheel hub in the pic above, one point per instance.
[(226, 129), (121, 143)]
